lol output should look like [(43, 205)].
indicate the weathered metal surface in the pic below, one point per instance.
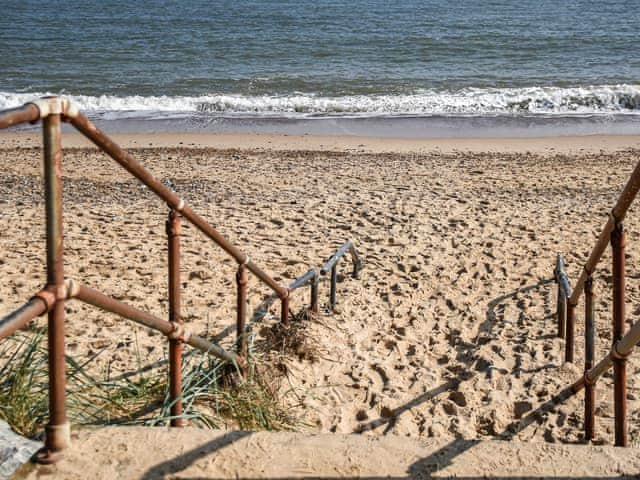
[(357, 261), (303, 280), (617, 215), (562, 278), (241, 310), (174, 228), (348, 246), (314, 293), (561, 312), (87, 128), (561, 302), (284, 310), (57, 429), (570, 333), (22, 316), (334, 286), (618, 242), (589, 358), (335, 257), (99, 300), (16, 116)]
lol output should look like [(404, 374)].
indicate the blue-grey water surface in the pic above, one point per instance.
[(207, 63)]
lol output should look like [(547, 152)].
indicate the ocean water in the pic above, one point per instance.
[(410, 68)]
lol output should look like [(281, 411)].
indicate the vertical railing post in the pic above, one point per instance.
[(561, 311), (334, 282), (174, 230), (570, 331), (241, 311), (314, 292), (589, 358), (618, 242), (57, 432), (284, 312)]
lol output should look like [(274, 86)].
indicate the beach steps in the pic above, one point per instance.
[(190, 453)]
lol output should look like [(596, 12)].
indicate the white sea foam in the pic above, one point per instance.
[(604, 99)]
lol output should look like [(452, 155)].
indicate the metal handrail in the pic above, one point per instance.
[(51, 299), (562, 278), (565, 311), (616, 216), (332, 265), (347, 247), (613, 232), (126, 160)]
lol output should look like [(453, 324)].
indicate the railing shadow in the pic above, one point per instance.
[(181, 462), (391, 420), (491, 317), (444, 456)]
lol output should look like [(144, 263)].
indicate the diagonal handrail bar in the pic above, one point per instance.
[(126, 160), (172, 330), (346, 247), (23, 114), (616, 216), (41, 303)]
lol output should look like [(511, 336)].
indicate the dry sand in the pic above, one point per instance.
[(351, 143), (449, 333)]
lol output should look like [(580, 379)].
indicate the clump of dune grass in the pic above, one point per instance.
[(209, 398), (23, 384), (290, 340)]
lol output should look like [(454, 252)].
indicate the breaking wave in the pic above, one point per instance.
[(603, 99)]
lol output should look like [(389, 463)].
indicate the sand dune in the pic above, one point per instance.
[(449, 333)]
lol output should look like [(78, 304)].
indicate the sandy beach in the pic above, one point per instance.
[(450, 330)]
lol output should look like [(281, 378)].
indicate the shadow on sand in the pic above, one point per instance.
[(422, 469)]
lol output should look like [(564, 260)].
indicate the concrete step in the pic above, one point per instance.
[(190, 453)]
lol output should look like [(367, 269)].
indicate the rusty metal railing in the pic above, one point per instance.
[(622, 344), (51, 299)]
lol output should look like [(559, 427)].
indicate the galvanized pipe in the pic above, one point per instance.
[(589, 356), (561, 311), (314, 293), (334, 283), (335, 257), (15, 116), (127, 161), (241, 310), (99, 300), (618, 242), (174, 230), (357, 261), (57, 433), (564, 283), (303, 280), (561, 306)]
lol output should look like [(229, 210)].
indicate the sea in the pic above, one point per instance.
[(419, 69)]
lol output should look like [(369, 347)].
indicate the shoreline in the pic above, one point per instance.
[(352, 144)]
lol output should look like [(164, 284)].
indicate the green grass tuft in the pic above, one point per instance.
[(211, 397)]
